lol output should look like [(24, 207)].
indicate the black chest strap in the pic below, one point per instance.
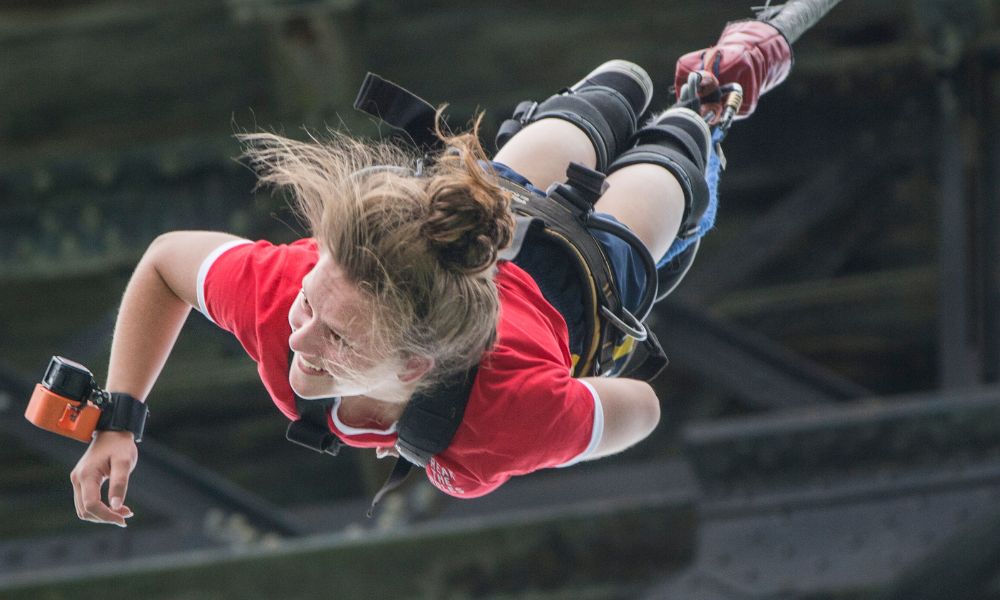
[(432, 417), (426, 428), (428, 425)]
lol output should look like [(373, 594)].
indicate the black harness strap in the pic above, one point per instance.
[(428, 424), (312, 430), (559, 219), (565, 215), (400, 108), (426, 427), (432, 417), (401, 469)]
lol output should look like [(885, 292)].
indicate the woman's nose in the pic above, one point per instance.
[(295, 341), (302, 339)]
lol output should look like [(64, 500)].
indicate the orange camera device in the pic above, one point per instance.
[(69, 402)]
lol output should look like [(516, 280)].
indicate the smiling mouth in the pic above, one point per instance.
[(309, 368)]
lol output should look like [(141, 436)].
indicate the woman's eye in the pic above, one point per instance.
[(339, 340)]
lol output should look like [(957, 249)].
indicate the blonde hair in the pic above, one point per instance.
[(421, 249)]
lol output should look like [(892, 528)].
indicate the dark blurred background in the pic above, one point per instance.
[(831, 414)]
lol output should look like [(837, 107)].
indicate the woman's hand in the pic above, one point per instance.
[(111, 456)]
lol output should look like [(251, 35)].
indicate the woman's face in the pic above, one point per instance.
[(330, 338)]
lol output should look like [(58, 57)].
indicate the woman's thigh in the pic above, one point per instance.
[(543, 150), (649, 200)]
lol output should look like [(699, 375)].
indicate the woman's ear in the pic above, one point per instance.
[(415, 368)]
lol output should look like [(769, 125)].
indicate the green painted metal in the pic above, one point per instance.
[(607, 552)]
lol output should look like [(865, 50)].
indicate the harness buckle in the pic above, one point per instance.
[(309, 435), (592, 183), (582, 189)]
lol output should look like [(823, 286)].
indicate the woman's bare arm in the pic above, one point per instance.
[(155, 305), (157, 300), (631, 413)]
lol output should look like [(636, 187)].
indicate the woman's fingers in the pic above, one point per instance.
[(74, 477), (94, 508), (121, 468), (111, 457)]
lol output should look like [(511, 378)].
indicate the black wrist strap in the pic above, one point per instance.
[(124, 413)]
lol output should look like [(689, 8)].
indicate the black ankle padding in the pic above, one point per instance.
[(674, 137), (602, 113), (688, 174)]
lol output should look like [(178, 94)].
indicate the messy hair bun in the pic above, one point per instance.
[(469, 219)]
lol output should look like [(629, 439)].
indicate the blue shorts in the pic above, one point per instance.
[(560, 283)]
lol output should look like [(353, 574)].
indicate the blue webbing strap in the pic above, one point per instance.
[(707, 221)]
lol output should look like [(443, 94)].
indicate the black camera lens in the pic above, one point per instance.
[(68, 379)]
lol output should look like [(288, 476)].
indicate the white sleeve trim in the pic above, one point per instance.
[(596, 434), (348, 430), (203, 273)]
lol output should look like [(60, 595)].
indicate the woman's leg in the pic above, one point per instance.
[(657, 188), (649, 200), (591, 123), (542, 151)]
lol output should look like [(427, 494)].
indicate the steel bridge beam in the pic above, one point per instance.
[(765, 374)]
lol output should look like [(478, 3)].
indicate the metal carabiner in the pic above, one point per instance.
[(634, 330)]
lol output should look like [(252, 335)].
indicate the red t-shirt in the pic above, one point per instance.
[(525, 410)]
